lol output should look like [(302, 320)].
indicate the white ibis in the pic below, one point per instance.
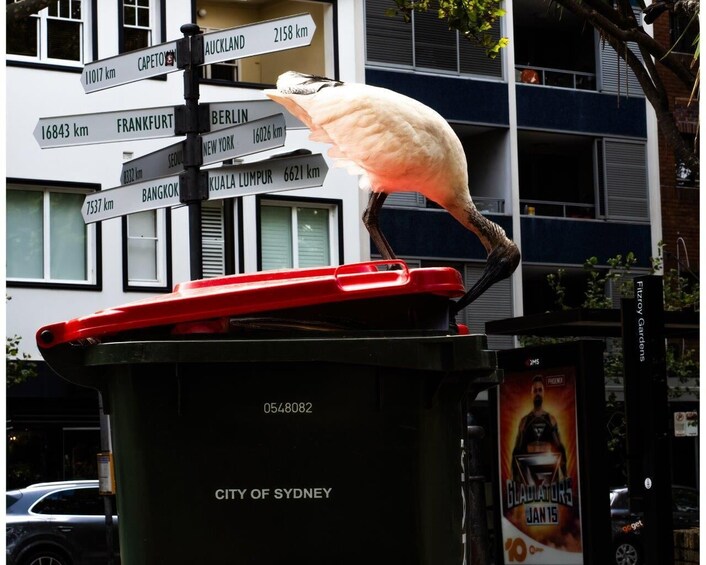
[(395, 144)]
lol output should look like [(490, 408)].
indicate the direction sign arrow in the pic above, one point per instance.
[(229, 143), (125, 125), (234, 43), (129, 67), (244, 139), (258, 38), (163, 162), (223, 115), (115, 202), (270, 175)]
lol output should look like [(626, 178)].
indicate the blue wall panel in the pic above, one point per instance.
[(432, 233), (580, 111), (466, 100), (546, 240)]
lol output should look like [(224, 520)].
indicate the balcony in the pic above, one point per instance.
[(573, 210), (556, 78)]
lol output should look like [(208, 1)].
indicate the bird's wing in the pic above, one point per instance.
[(397, 142)]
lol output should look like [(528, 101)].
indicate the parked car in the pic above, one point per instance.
[(60, 523), (628, 526)]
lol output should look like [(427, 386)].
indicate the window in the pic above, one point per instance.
[(557, 175), (71, 502), (425, 43), (57, 34), (264, 69), (213, 238), (146, 250), (298, 235), (47, 239), (684, 32), (138, 21)]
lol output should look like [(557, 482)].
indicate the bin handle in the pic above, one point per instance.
[(364, 276)]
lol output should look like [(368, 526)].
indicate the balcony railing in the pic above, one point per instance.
[(557, 209), (557, 78), (490, 205)]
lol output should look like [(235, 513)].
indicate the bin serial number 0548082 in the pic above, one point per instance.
[(287, 408)]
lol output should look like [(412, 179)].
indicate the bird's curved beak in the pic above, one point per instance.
[(501, 263)]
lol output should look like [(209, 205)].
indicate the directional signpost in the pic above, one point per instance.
[(269, 175), (224, 45), (213, 132), (258, 38), (85, 129), (130, 67)]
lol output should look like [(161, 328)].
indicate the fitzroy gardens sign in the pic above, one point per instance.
[(236, 128)]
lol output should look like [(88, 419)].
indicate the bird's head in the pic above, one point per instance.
[(502, 262)]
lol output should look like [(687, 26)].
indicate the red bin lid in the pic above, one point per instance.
[(263, 291)]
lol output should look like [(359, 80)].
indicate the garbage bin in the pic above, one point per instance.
[(302, 416)]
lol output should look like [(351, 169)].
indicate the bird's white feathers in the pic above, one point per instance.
[(394, 142)]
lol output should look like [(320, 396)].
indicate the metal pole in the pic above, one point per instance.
[(477, 517), (193, 186), (106, 445)]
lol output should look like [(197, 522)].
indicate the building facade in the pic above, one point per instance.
[(562, 152)]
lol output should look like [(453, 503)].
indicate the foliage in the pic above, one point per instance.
[(679, 294), (472, 18), (616, 24), (18, 368)]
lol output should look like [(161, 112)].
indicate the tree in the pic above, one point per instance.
[(18, 368), (18, 11), (617, 25)]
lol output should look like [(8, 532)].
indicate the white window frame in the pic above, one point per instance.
[(86, 38), (161, 267), (333, 226), (89, 249)]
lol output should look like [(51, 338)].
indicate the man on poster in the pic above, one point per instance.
[(537, 433)]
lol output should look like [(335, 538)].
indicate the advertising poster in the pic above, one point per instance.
[(539, 467)]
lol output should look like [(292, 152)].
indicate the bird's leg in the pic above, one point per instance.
[(370, 220)]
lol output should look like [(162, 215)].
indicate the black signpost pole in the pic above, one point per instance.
[(649, 452), (193, 183)]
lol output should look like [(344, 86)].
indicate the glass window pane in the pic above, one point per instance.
[(276, 237), (142, 224), (142, 259), (129, 18), (68, 238), (63, 40), (313, 237), (25, 234), (22, 37), (64, 9), (143, 17), (134, 38), (142, 246), (54, 9), (76, 10)]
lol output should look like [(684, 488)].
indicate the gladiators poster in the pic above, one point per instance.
[(539, 468)]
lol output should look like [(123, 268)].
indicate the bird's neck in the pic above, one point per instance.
[(489, 233)]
